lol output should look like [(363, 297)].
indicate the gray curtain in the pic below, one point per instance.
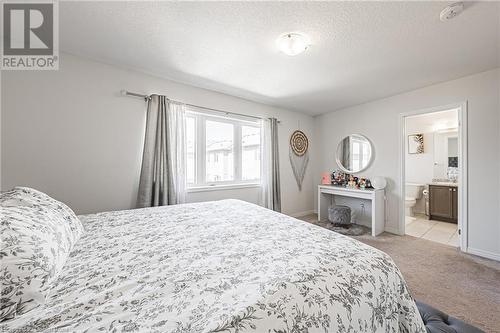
[(346, 153), (275, 166), (270, 179), (162, 179)]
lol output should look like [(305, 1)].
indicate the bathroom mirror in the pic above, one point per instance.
[(453, 152), (354, 153), (445, 153)]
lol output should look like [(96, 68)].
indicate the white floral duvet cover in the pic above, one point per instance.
[(225, 266)]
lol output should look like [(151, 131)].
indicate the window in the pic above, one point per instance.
[(250, 152), (360, 152), (221, 150), (355, 155)]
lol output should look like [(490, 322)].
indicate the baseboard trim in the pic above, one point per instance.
[(484, 254), (392, 230), (301, 214)]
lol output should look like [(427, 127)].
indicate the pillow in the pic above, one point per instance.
[(25, 196), (37, 235)]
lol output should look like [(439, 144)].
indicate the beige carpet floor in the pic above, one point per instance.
[(464, 286)]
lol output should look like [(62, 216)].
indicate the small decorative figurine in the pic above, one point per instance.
[(362, 183), (338, 178), (352, 182), (325, 178)]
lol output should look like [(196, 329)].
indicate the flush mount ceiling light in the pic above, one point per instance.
[(451, 11), (293, 43)]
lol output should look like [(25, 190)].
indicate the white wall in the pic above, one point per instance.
[(378, 120), (71, 134)]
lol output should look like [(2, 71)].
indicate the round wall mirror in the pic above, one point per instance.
[(354, 153)]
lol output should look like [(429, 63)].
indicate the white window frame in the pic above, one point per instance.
[(201, 116)]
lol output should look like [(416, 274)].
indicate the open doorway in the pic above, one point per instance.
[(433, 175)]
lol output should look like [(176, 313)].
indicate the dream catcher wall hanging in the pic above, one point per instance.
[(299, 155)]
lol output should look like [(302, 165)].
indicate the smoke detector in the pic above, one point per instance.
[(451, 11)]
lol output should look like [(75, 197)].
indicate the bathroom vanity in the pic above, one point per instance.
[(443, 202), (354, 155), (326, 198)]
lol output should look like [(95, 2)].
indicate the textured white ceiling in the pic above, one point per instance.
[(361, 51)]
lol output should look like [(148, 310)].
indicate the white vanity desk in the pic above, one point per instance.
[(328, 192)]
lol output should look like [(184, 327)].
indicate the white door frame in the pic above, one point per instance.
[(462, 164)]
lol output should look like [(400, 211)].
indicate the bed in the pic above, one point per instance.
[(224, 266)]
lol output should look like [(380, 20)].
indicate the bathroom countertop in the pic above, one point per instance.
[(444, 184)]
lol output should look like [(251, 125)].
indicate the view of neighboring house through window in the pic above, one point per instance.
[(250, 137), (221, 150)]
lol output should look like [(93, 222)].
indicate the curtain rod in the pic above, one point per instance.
[(146, 97)]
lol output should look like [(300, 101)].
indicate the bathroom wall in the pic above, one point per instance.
[(420, 167)]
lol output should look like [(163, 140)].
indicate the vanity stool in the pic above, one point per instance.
[(340, 216), (436, 321)]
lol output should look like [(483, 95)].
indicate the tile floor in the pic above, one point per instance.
[(437, 231)]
